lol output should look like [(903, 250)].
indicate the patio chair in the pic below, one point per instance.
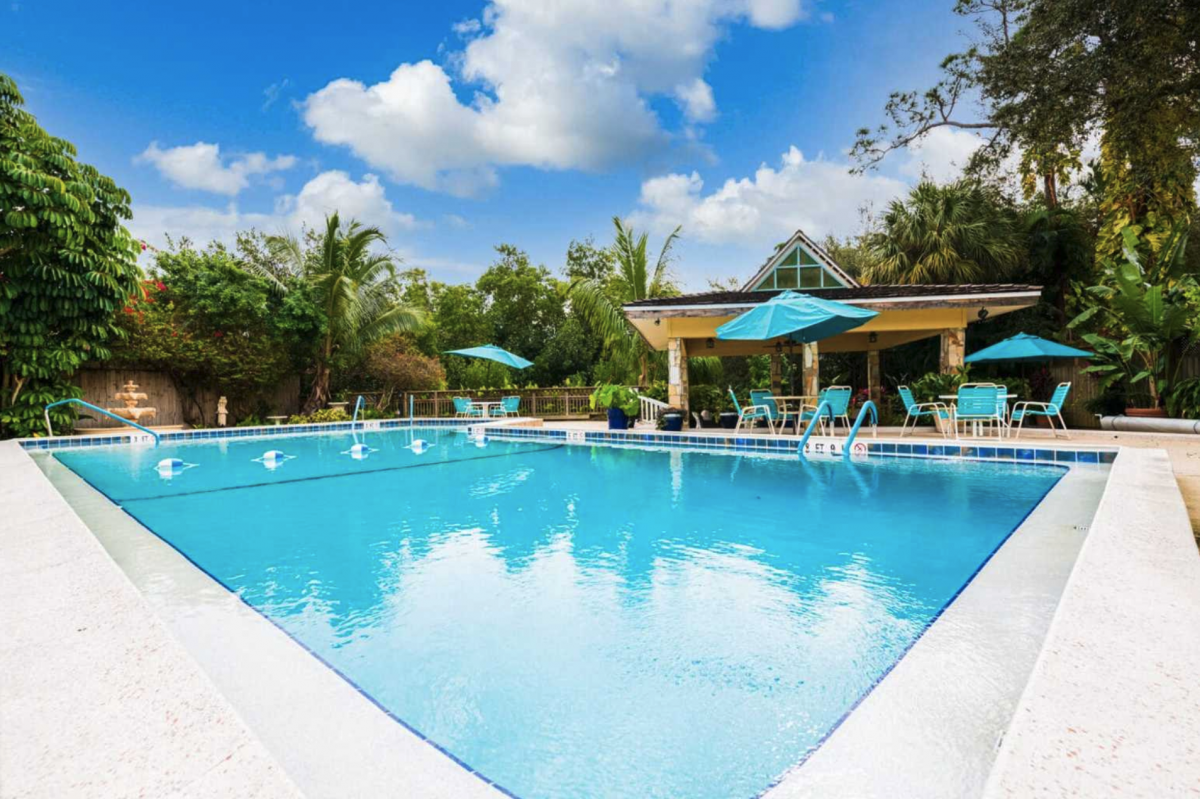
[(509, 406), (808, 413), (977, 404), (751, 413), (839, 398), (779, 419), (465, 409), (1050, 410), (938, 411)]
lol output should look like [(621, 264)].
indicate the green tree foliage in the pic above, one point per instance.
[(957, 233), (1045, 74), (599, 302), (67, 266), (354, 289), (211, 324), (523, 303), (1145, 320), (396, 366)]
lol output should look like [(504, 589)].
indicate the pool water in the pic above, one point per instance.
[(577, 621)]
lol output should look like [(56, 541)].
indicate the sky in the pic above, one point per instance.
[(455, 126)]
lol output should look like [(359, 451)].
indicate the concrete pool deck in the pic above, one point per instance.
[(1134, 544), (96, 696)]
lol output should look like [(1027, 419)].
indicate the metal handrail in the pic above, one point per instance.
[(867, 406), (817, 416), (90, 406), (358, 403)]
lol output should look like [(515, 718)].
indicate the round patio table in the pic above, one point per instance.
[(796, 400)]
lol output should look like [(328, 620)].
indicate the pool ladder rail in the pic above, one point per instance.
[(869, 405), (90, 406)]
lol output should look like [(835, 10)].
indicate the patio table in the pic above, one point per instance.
[(487, 406), (976, 428), (794, 404)]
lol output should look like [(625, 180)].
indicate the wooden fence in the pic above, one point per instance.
[(100, 387)]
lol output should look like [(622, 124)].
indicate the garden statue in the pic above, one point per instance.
[(221, 411)]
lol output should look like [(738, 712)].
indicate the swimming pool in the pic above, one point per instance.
[(579, 621)]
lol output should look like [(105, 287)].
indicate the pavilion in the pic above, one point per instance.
[(686, 325)]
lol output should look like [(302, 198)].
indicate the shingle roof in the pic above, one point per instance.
[(875, 292)]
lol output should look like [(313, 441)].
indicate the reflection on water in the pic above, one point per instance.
[(594, 621)]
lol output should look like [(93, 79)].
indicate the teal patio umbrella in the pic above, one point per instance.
[(490, 352), (1024, 347), (798, 317)]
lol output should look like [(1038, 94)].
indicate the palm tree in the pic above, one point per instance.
[(600, 302), (944, 234), (352, 286)]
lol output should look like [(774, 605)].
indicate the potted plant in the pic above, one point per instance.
[(1148, 324), (621, 402), (671, 420)]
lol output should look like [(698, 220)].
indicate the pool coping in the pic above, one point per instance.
[(1140, 522)]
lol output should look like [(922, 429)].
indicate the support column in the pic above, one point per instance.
[(776, 373), (874, 377), (812, 369), (677, 377), (954, 344)]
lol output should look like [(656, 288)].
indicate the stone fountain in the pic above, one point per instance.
[(130, 396)]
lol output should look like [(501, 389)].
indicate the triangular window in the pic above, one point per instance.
[(798, 269)]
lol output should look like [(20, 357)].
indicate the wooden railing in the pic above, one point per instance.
[(545, 403)]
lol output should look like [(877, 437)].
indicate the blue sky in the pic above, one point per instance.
[(459, 125)]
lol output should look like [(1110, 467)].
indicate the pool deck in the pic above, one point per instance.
[(101, 696), (97, 698)]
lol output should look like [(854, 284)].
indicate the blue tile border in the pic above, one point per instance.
[(753, 444)]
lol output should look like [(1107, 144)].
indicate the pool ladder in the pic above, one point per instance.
[(358, 404), (862, 413)]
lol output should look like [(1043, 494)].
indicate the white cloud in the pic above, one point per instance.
[(820, 196), (558, 84), (200, 166), (327, 192), (697, 100), (940, 154)]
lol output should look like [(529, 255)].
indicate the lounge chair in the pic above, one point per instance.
[(751, 413), (766, 399), (938, 411), (1050, 410), (977, 404)]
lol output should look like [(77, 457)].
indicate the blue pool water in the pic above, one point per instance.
[(585, 622)]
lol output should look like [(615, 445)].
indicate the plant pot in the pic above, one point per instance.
[(617, 420), (1146, 413), (729, 420), (672, 422)]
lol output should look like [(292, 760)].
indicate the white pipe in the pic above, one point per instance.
[(1141, 424)]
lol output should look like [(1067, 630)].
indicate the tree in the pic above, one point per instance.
[(211, 324), (392, 363), (460, 317), (353, 288), (945, 234), (67, 266), (1049, 73), (587, 261), (523, 303), (600, 303)]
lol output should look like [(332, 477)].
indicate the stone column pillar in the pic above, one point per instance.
[(776, 373), (812, 369), (954, 343), (874, 377), (677, 377)]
